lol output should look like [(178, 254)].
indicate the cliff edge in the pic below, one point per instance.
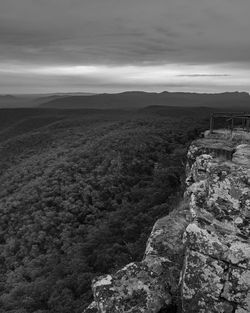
[(197, 258)]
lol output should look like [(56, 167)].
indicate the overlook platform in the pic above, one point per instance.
[(232, 119), (233, 146), (236, 135)]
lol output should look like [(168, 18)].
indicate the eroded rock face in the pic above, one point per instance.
[(197, 257), (166, 241), (215, 276), (203, 283), (242, 155)]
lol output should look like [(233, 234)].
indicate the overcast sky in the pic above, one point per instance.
[(117, 45)]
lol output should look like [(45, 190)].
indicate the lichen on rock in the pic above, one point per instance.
[(138, 287), (219, 202)]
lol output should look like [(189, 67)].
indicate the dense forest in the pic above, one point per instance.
[(79, 194)]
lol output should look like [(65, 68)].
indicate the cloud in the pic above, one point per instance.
[(101, 78), (115, 33), (203, 75)]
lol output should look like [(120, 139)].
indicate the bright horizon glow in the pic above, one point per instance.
[(149, 77)]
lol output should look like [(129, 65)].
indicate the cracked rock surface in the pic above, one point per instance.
[(215, 276)]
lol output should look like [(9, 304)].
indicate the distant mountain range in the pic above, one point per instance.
[(129, 99), (144, 99)]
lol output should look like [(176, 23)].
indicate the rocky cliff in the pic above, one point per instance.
[(197, 258)]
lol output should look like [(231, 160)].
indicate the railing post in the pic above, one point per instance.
[(242, 123), (211, 123)]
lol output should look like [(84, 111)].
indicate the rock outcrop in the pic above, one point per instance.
[(197, 258)]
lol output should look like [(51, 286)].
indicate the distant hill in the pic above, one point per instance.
[(139, 99), (32, 100), (9, 101)]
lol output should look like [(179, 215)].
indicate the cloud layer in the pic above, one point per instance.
[(140, 44)]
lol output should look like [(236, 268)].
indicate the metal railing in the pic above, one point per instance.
[(231, 119)]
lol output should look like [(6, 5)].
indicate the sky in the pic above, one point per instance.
[(117, 45)]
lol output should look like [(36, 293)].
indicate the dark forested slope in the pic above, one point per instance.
[(79, 194)]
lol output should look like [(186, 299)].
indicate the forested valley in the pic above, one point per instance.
[(79, 194)]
